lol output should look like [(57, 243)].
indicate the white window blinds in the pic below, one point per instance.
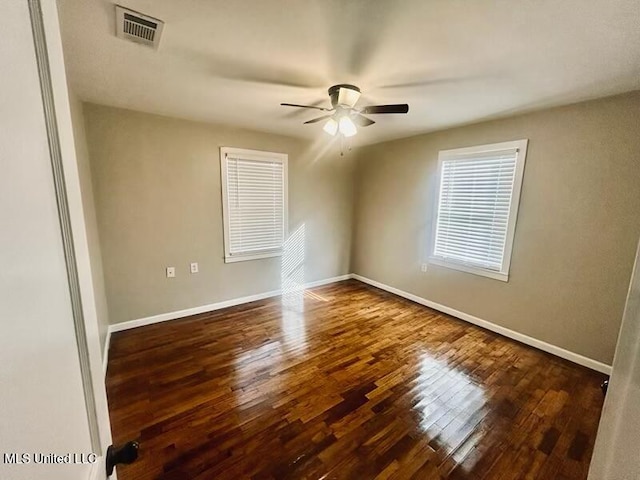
[(476, 215), (254, 191)]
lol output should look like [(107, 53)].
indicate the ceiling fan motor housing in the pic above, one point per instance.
[(344, 95), (343, 116)]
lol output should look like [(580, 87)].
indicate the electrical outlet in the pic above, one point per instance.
[(194, 267), (171, 272), (423, 267)]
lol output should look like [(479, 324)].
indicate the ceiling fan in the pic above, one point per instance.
[(344, 115)]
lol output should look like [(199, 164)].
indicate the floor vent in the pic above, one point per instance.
[(137, 27)]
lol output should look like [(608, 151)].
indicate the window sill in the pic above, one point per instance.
[(503, 277), (257, 256)]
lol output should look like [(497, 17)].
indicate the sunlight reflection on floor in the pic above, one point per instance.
[(259, 360), (449, 403)]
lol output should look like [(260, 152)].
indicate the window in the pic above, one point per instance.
[(476, 208), (254, 203)]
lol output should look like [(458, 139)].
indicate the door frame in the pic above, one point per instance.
[(608, 461), (57, 114)]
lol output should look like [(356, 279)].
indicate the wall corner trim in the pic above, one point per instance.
[(105, 351), (512, 334)]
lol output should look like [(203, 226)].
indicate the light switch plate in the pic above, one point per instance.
[(423, 267), (171, 272)]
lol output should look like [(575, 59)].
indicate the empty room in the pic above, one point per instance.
[(320, 239)]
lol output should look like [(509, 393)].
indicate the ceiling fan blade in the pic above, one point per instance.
[(306, 106), (397, 108), (362, 120), (319, 119), (429, 82)]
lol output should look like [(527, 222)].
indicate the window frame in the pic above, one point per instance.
[(459, 153), (257, 155)]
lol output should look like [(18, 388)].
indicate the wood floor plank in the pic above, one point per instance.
[(345, 382)]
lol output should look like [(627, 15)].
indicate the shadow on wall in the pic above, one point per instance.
[(292, 270)]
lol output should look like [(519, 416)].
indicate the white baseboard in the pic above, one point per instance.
[(163, 317), (520, 337)]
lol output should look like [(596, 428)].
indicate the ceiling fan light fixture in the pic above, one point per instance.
[(343, 117), (348, 97), (347, 127), (331, 127)]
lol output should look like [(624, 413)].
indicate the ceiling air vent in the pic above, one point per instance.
[(137, 27)]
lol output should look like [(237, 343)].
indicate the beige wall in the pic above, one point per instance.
[(158, 204), (88, 206), (577, 228)]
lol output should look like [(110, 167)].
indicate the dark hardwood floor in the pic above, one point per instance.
[(346, 382)]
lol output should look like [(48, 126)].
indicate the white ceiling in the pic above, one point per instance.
[(452, 61)]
